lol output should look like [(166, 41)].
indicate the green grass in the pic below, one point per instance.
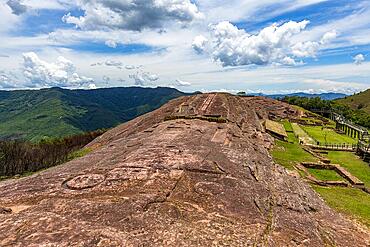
[(298, 131), (79, 153), (351, 201), (325, 135), (287, 125), (289, 129), (312, 121), (352, 163), (288, 154), (325, 175)]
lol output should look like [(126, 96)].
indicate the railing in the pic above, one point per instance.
[(364, 147), (336, 146)]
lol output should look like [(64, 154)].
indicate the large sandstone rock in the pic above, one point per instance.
[(184, 182)]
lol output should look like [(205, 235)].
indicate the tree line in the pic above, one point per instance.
[(18, 157), (357, 116)]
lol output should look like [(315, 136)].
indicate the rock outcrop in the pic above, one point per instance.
[(204, 177)]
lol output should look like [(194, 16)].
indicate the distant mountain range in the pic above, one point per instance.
[(325, 96), (56, 112)]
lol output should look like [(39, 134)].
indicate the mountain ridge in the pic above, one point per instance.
[(358, 101), (57, 112), (324, 96)]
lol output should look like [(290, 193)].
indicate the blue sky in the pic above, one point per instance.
[(256, 46)]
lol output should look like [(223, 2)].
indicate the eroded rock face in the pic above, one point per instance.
[(184, 182), (85, 181)]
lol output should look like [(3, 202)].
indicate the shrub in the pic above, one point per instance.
[(19, 157)]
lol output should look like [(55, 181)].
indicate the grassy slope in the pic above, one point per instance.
[(351, 201), (299, 132), (288, 154), (318, 133), (34, 114), (325, 175), (288, 127), (355, 100), (353, 164)]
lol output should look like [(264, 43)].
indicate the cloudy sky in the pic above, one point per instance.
[(208, 45)]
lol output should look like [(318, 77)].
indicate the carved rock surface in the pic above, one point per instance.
[(183, 182)]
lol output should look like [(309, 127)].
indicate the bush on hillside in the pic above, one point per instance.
[(19, 157)]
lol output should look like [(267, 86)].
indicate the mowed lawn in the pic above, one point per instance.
[(288, 126), (354, 164), (351, 201), (290, 153), (326, 135), (325, 175), (298, 131)]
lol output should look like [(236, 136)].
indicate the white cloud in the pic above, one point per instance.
[(328, 37), (7, 81), (91, 86), (310, 48), (96, 64), (8, 20), (180, 83), (175, 59), (334, 86), (130, 67), (133, 15), (250, 10), (113, 63), (62, 73), (51, 4), (359, 59), (143, 78), (106, 79), (111, 43), (272, 45), (138, 78), (151, 77), (199, 43)]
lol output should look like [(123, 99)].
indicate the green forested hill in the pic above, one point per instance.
[(359, 101), (56, 112)]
